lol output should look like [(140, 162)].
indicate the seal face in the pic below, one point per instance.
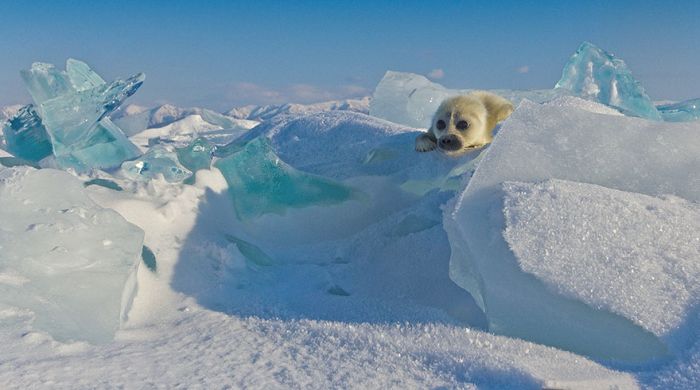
[(463, 123)]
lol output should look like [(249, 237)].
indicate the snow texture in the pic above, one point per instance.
[(627, 253), (211, 317), (212, 350), (342, 145), (541, 142)]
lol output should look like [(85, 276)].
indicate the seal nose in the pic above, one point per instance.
[(450, 142)]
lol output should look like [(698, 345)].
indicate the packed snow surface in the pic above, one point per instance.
[(623, 252), (541, 142), (323, 304)]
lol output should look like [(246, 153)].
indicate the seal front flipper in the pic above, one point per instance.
[(426, 142)]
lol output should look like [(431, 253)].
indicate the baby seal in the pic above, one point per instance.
[(463, 123)]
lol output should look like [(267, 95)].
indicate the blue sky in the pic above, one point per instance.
[(222, 54)]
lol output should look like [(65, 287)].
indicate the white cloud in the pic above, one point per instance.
[(436, 74), (253, 92), (353, 91), (307, 92), (523, 69)]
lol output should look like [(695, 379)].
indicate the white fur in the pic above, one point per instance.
[(481, 110)]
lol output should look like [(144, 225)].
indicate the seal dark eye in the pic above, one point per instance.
[(462, 125), (441, 124)]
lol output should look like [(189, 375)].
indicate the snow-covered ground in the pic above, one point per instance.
[(268, 337), (314, 248)]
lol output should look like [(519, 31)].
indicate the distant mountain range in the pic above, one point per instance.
[(264, 113), (134, 119)]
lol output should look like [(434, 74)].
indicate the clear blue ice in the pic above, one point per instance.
[(197, 155), (159, 160), (260, 183), (71, 116), (594, 74)]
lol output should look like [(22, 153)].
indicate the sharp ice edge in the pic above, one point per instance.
[(593, 73), (71, 112), (260, 183), (75, 261), (159, 161)]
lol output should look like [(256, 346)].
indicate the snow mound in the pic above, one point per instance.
[(256, 353), (630, 254), (184, 131), (564, 102), (135, 119), (64, 257), (342, 144), (541, 142)]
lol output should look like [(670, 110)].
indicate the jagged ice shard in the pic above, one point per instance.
[(260, 183), (594, 74), (197, 155), (159, 160), (70, 261), (71, 111), (26, 136)]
